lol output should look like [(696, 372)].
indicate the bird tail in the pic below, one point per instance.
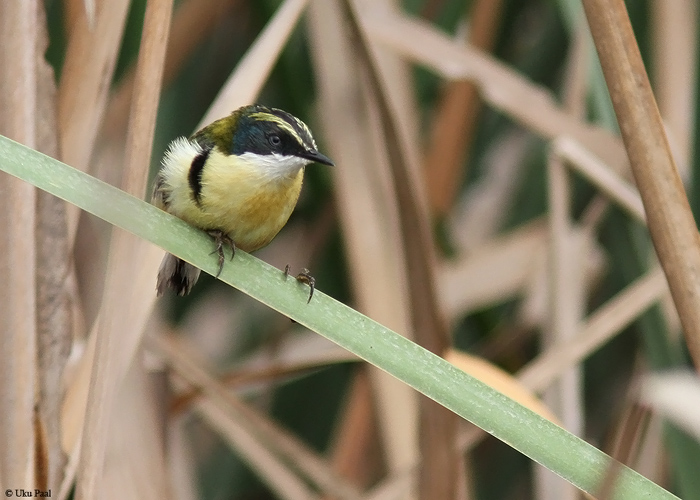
[(176, 274)]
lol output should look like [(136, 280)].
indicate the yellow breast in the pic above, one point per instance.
[(241, 196)]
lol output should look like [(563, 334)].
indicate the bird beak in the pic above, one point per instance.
[(317, 157)]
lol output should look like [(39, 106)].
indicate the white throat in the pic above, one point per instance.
[(275, 165)]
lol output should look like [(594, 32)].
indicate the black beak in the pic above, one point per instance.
[(317, 157)]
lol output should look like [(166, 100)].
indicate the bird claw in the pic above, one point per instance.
[(303, 277), (221, 239)]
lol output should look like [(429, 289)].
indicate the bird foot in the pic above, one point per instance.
[(303, 277), (221, 239)]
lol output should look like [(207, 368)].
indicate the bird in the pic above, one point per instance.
[(238, 179)]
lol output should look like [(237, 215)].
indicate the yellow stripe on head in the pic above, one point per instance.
[(259, 130), (287, 122)]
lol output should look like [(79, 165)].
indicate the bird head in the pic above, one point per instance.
[(264, 134)]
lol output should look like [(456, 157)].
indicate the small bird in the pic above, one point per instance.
[(238, 179)]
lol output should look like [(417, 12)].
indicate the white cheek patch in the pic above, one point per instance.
[(180, 153), (275, 165)]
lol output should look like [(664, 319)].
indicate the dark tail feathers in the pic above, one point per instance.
[(176, 274)]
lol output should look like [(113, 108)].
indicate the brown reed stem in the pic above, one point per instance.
[(670, 220)]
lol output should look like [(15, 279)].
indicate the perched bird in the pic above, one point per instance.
[(238, 179)]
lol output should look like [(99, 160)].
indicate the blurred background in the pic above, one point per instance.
[(481, 205)]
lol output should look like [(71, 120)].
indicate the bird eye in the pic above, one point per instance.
[(275, 140)]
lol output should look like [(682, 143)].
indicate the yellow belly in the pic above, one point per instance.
[(237, 197)]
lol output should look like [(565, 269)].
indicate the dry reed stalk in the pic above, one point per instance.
[(135, 465), (299, 352), (23, 460), (354, 454), (123, 313), (210, 321), (534, 309), (193, 22), (399, 82), (599, 327), (74, 11), (299, 457), (252, 71), (627, 432), (510, 266), (674, 34), (117, 331), (500, 87), (250, 432), (411, 201), (438, 467), (87, 71), (82, 94), (274, 473), (651, 459), (601, 175), (670, 220), (393, 487), (626, 445), (617, 189), (73, 414), (90, 10), (53, 296), (494, 271), (456, 116), (567, 287), (144, 104), (675, 396), (368, 216), (181, 461), (484, 206)]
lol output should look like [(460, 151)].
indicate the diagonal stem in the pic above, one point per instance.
[(670, 220)]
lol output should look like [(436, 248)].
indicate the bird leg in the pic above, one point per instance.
[(303, 277), (221, 239)]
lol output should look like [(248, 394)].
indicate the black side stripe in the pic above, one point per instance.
[(195, 175)]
